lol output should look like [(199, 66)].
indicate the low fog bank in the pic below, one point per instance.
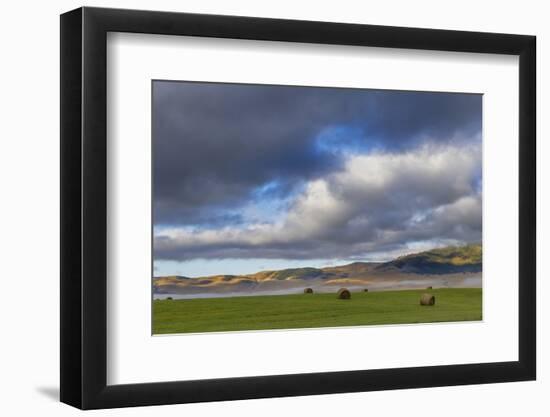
[(321, 286)]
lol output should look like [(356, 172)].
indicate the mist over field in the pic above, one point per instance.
[(452, 267)]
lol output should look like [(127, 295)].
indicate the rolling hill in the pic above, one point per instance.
[(452, 259), (449, 266)]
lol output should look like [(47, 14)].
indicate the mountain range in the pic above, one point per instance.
[(452, 266)]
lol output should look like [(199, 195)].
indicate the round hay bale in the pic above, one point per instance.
[(343, 294), (429, 288), (427, 300), (365, 290), (308, 290)]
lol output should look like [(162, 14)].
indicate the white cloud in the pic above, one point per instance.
[(377, 202)]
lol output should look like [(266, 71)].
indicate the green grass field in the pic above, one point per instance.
[(313, 310)]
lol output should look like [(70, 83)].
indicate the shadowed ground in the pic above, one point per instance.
[(314, 310)]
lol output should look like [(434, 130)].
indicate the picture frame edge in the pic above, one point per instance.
[(83, 319)]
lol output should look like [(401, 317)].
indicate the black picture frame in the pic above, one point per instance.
[(84, 207)]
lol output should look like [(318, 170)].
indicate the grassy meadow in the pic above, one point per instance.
[(314, 310)]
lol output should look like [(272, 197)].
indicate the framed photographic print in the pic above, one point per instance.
[(258, 208)]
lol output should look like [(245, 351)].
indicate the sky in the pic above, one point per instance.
[(256, 177)]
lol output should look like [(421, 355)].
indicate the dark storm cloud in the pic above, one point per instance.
[(216, 145), (377, 202)]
